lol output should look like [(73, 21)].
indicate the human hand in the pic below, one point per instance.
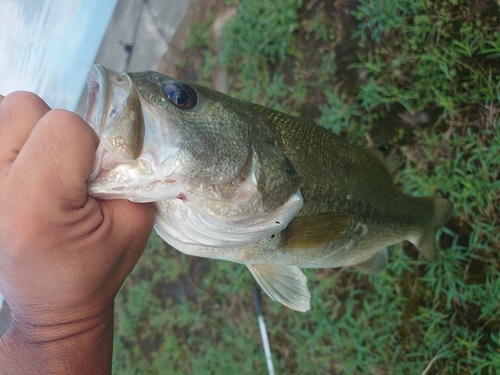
[(63, 255)]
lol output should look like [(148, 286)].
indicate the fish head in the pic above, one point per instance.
[(157, 133)]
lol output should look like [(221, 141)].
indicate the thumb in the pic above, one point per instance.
[(128, 225)]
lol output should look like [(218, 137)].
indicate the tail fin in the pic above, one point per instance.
[(426, 244)]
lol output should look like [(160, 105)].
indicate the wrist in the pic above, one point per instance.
[(82, 346), (39, 327)]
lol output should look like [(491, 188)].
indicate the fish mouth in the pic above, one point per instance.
[(114, 111)]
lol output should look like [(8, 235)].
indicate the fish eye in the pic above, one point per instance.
[(181, 95)]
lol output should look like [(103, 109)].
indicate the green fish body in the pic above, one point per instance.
[(236, 181)]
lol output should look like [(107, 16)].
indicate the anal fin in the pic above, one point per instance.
[(285, 284), (374, 265), (390, 162)]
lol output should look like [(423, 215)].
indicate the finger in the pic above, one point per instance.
[(19, 112), (56, 160)]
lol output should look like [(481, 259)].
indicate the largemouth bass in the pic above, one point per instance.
[(236, 181)]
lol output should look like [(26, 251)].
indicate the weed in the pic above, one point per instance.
[(409, 60)]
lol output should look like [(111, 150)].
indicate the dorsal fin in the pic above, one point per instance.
[(314, 230)]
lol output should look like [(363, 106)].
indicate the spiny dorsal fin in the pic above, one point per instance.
[(312, 231), (376, 264), (285, 284)]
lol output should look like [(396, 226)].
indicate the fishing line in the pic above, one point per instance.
[(263, 331)]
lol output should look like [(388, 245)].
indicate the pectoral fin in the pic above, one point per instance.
[(312, 231), (285, 284), (376, 264)]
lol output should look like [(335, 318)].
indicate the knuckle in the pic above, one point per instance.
[(25, 99)]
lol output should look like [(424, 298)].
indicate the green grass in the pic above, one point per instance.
[(380, 71)]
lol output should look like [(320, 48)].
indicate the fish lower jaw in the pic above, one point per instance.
[(139, 191)]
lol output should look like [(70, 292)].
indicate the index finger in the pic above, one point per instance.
[(19, 113), (57, 158)]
